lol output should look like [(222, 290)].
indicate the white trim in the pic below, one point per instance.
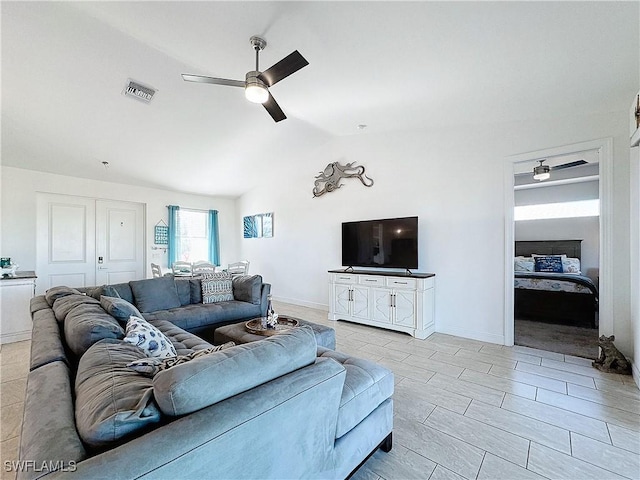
[(551, 183), (15, 337), (604, 148)]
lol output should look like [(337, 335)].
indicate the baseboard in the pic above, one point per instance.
[(15, 337), (635, 371), (302, 303), (482, 336)]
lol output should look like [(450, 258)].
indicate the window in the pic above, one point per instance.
[(193, 235), (582, 208)]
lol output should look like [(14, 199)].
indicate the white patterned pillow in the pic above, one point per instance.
[(216, 287), (149, 367), (148, 338), (571, 265), (523, 264)]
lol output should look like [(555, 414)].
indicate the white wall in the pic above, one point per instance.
[(453, 180), (635, 260), (18, 210), (586, 229)]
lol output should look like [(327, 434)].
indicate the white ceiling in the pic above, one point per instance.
[(389, 65)]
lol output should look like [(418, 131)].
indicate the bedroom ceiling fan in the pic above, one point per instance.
[(256, 84), (542, 172)]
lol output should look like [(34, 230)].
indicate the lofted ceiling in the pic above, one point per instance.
[(389, 65)]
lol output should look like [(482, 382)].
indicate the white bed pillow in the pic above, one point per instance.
[(571, 265), (523, 264)]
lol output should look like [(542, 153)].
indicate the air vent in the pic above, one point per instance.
[(136, 90)]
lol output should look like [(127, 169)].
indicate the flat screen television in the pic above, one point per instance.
[(386, 243)]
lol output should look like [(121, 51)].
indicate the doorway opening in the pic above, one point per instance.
[(557, 294)]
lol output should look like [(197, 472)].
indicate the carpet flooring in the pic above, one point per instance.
[(576, 341)]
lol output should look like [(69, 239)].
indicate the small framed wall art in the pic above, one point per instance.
[(258, 226), (161, 233)]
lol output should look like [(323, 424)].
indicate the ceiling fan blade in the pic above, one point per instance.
[(217, 81), (569, 165), (274, 109), (285, 67)]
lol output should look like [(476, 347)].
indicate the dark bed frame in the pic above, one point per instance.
[(565, 308)]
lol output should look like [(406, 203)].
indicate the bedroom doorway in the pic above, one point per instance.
[(558, 319)]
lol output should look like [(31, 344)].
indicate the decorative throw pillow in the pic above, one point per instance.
[(216, 287), (149, 367), (118, 308), (152, 341), (523, 264), (548, 263), (571, 265)]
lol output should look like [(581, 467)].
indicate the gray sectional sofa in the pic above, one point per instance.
[(179, 301), (281, 407)]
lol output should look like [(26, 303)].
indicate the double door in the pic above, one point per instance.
[(85, 241), (394, 306), (352, 300)]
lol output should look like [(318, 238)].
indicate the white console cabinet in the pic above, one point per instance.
[(395, 301), (15, 295)]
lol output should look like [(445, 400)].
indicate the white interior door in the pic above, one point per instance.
[(83, 241), (65, 241), (119, 242)]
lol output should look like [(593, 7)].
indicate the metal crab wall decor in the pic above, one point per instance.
[(329, 178)]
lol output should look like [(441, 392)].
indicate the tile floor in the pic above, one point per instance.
[(463, 409)]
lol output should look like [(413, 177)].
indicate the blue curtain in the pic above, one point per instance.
[(214, 243), (174, 234)]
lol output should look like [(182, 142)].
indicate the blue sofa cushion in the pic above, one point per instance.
[(63, 305), (155, 294), (195, 288), (192, 317), (49, 432), (112, 401), (55, 293), (46, 344), (119, 308), (183, 286), (209, 379), (88, 323), (366, 386), (38, 303), (247, 288), (118, 290), (150, 367), (183, 341)]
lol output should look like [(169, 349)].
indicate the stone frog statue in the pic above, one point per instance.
[(611, 360)]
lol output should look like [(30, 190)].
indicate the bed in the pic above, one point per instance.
[(555, 296)]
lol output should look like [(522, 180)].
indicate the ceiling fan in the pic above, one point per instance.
[(256, 84), (542, 172)]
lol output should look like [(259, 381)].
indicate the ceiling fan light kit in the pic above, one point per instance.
[(255, 91), (256, 84), (541, 172)]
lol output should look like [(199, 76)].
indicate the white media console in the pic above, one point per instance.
[(396, 301)]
